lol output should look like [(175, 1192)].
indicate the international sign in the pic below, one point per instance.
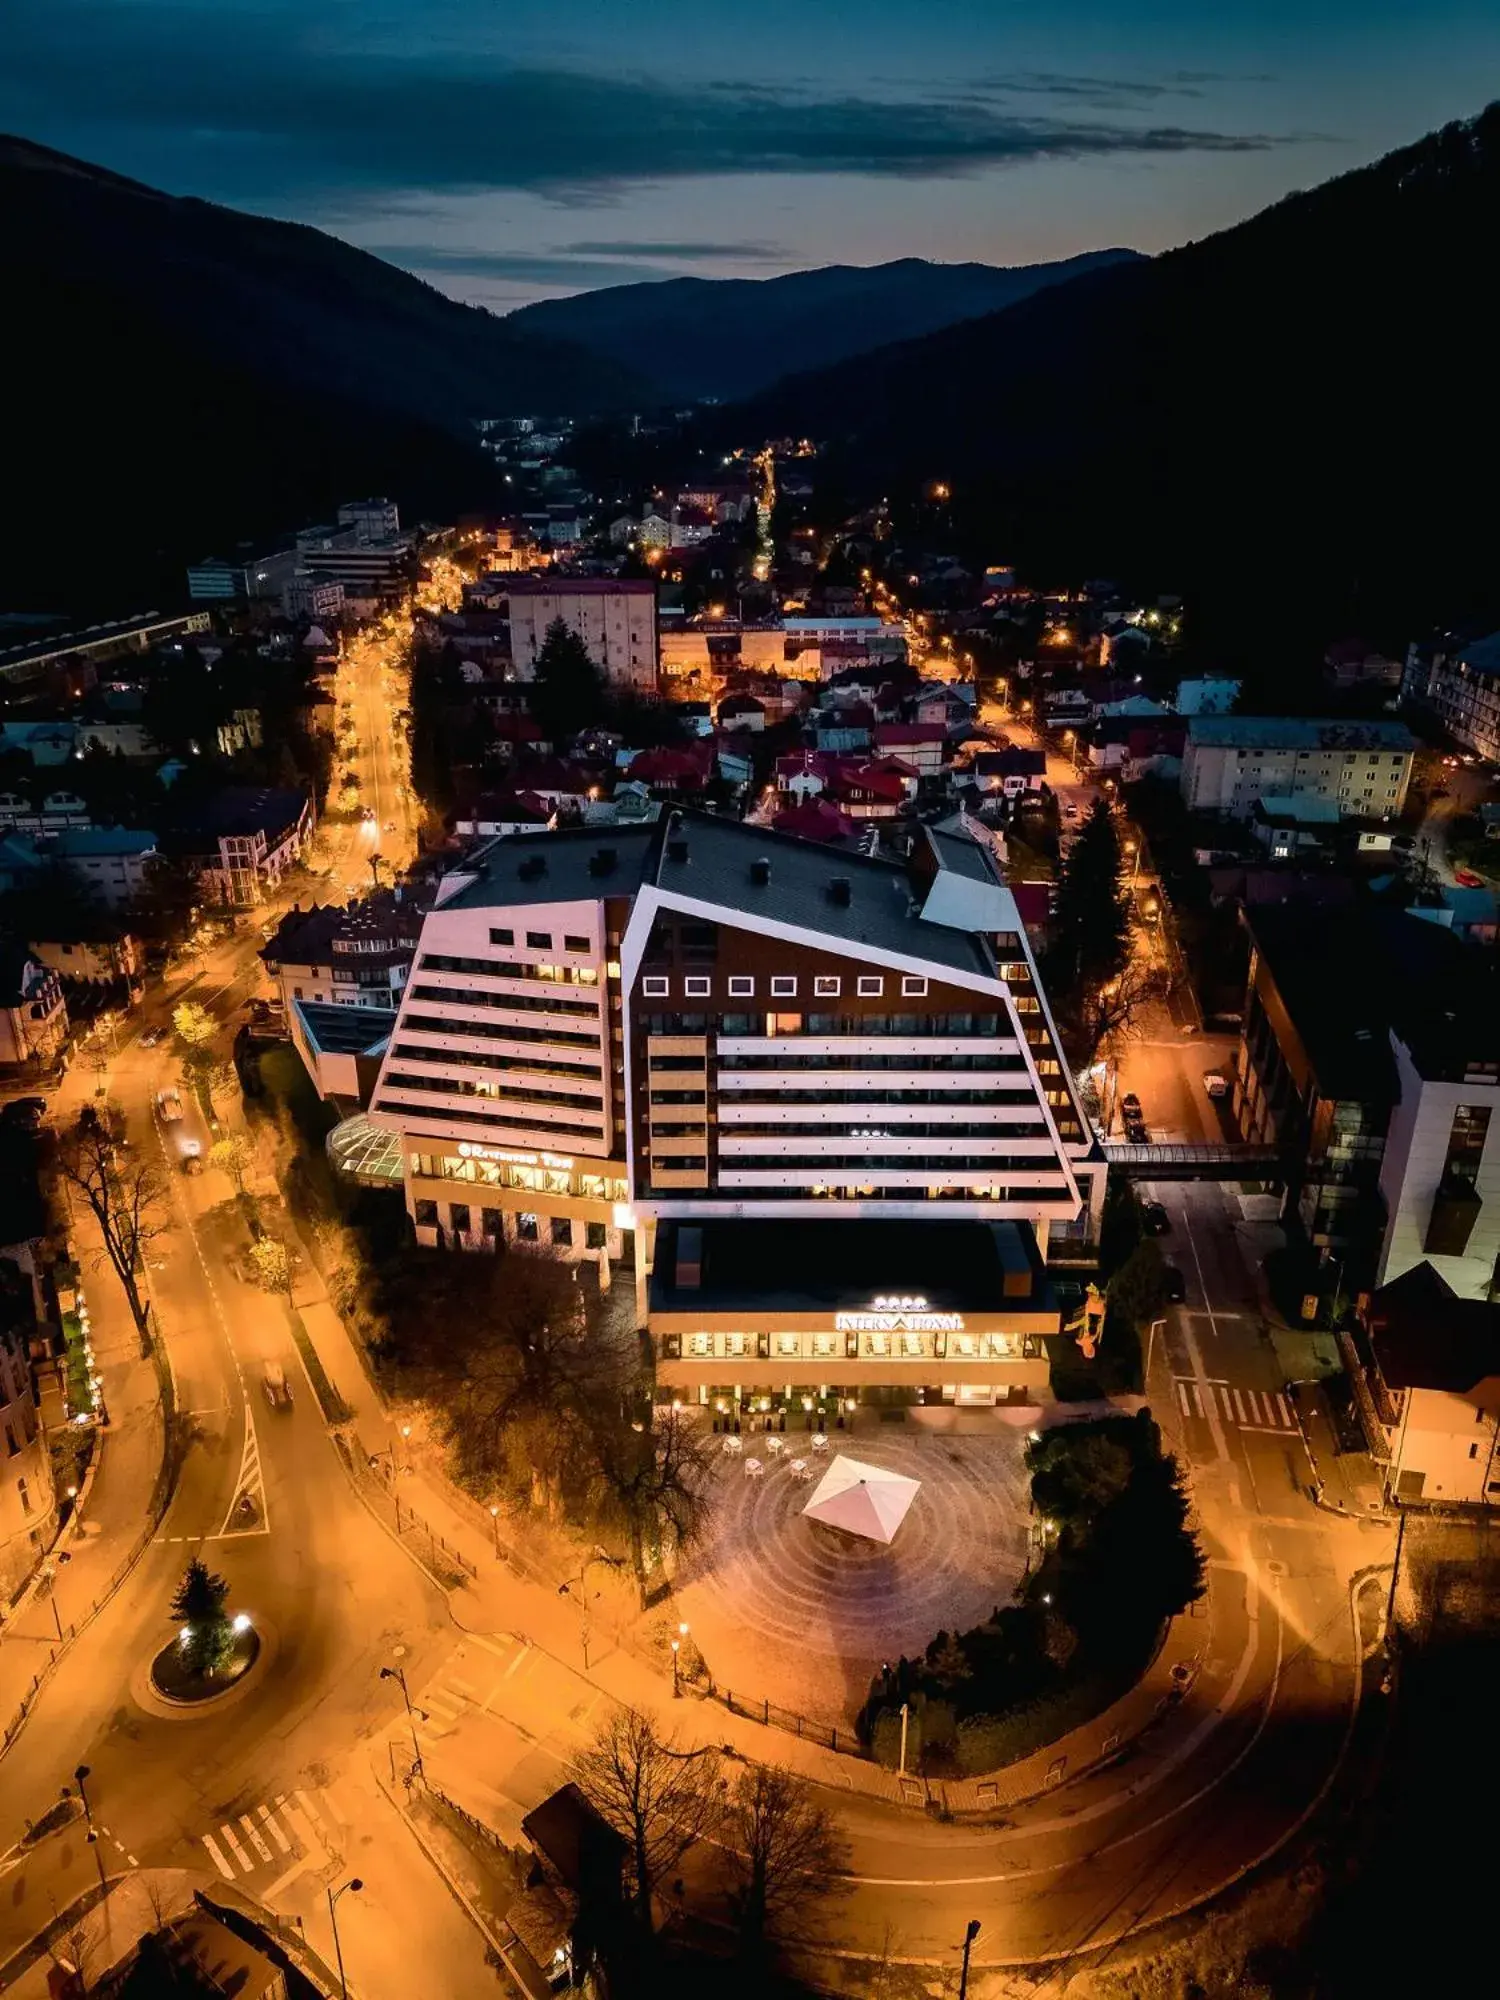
[(902, 1314)]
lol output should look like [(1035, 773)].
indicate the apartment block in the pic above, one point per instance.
[(614, 617), (1460, 684), (1231, 761)]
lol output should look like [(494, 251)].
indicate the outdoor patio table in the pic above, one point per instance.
[(820, 1441), (775, 1446), (733, 1446), (753, 1468), (799, 1468)]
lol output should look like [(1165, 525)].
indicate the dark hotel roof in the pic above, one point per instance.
[(1425, 1336)]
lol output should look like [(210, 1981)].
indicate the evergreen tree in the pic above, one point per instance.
[(568, 692), (199, 1605), (1092, 935)]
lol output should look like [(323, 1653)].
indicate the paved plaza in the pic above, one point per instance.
[(786, 1610)]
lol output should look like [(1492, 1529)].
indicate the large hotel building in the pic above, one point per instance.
[(810, 1102)]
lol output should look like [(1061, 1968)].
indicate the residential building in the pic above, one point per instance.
[(350, 955), (1214, 696), (615, 617), (217, 581), (367, 570), (27, 1504), (1425, 1365), (1459, 681), (33, 1011), (92, 951), (1011, 772), (243, 840), (706, 1025), (921, 745), (864, 638), (308, 595), (1230, 761), (1370, 1054), (1351, 663), (372, 520), (112, 862), (73, 657)]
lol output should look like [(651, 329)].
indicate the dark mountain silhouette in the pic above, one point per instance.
[(1295, 418), (219, 376), (727, 337)]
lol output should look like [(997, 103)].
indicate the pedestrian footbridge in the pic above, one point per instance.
[(1219, 1161)]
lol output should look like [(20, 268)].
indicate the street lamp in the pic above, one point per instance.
[(333, 1900), (566, 1590), (396, 1674), (970, 1934), (79, 1776), (50, 1573), (495, 1529), (1150, 1345)]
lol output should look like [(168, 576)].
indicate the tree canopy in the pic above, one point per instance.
[(568, 691)]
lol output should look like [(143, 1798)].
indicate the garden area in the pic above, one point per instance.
[(1113, 1560)]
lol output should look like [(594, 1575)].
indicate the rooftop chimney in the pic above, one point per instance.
[(841, 891), (603, 863), (677, 849), (760, 871), (531, 866)]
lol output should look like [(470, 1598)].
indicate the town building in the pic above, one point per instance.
[(112, 862), (614, 617), (1425, 1366), (243, 840), (1230, 761), (27, 1503), (702, 1025), (71, 659), (33, 1011), (308, 595), (368, 571), (372, 520), (345, 955), (1459, 683)]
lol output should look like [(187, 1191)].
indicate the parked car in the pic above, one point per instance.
[(1130, 1105), (1216, 1083), (1467, 879), (169, 1104), (1156, 1218), (278, 1389), (151, 1036), (1137, 1131), (1174, 1285)]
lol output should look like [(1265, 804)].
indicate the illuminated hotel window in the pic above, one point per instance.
[(655, 989), (701, 1343), (827, 986), (734, 1343), (912, 1343), (825, 1344), (528, 1228), (877, 1343), (788, 1343), (961, 1345)]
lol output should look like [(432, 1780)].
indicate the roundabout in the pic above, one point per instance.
[(175, 1679)]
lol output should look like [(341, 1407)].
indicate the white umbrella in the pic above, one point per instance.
[(862, 1499)]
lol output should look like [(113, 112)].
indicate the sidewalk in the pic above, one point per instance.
[(115, 1518)]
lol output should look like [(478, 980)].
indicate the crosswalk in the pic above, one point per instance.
[(1262, 1410), (486, 1676), (290, 1832)]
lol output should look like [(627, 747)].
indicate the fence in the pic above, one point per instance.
[(773, 1716), (379, 1490)]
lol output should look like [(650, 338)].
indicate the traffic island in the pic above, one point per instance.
[(175, 1678)]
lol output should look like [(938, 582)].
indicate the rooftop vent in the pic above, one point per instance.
[(760, 872), (841, 891), (532, 865), (604, 862), (677, 849)]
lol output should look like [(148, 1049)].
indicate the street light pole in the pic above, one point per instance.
[(338, 1953), (495, 1529), (963, 1978), (905, 1711), (566, 1590), (79, 1776), (397, 1674), (1150, 1347)]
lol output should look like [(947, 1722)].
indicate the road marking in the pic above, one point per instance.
[(518, 1661), (252, 1832), (218, 1860), (250, 1485), (315, 1818), (227, 1834), (1239, 1408), (331, 1801), (275, 1831), (1282, 1411), (1262, 1431)]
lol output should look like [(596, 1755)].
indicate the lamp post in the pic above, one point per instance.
[(355, 1884), (970, 1934), (676, 1674), (567, 1590), (397, 1674), (50, 1573), (495, 1529), (905, 1713), (1150, 1345), (80, 1776)]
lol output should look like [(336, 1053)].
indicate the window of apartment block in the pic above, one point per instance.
[(528, 1228), (871, 985), (562, 1231), (783, 986), (596, 1236), (426, 1214), (460, 1215), (911, 984), (741, 987), (576, 944), (827, 985), (1470, 1129), (697, 989), (655, 989), (502, 937)]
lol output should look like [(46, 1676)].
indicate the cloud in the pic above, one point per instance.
[(520, 267), (682, 253), (260, 102)]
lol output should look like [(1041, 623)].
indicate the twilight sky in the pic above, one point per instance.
[(510, 150)]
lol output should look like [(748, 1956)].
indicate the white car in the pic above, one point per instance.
[(169, 1104)]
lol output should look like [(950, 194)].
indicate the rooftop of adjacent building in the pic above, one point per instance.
[(1358, 975), (1424, 1336), (846, 1264), (238, 810), (1295, 732), (389, 921), (334, 1030), (579, 586)]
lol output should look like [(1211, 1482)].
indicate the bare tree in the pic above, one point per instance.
[(784, 1855), (653, 1483), (125, 1197), (1111, 1012), (660, 1798)]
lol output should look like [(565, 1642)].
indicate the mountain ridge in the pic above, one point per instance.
[(729, 337)]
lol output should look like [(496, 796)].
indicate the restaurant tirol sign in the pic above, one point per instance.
[(470, 1151), (898, 1315)]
